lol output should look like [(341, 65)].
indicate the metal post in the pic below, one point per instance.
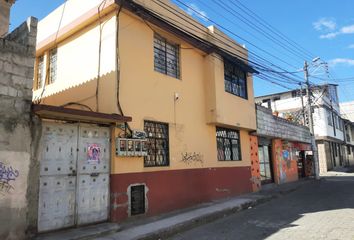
[(310, 119)]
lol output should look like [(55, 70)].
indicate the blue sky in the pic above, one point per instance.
[(325, 28)]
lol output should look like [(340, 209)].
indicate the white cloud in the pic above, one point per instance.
[(325, 24), (329, 35), (345, 61), (194, 10), (351, 46), (344, 30), (347, 29)]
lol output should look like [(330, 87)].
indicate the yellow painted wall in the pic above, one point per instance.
[(149, 95), (77, 69)]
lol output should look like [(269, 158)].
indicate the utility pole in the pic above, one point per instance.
[(302, 104), (310, 120)]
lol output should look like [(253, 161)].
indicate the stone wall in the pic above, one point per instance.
[(272, 126), (17, 56)]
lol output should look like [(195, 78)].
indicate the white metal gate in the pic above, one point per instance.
[(74, 175)]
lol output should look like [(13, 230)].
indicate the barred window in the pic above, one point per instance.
[(235, 80), (166, 57), (157, 144), (40, 71), (53, 57), (228, 144)]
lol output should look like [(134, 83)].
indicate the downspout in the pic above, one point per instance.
[(117, 63)]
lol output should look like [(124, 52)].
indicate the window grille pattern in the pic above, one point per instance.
[(235, 80), (53, 57), (40, 72), (166, 57), (157, 144), (228, 144)]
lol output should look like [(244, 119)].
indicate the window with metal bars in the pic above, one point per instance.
[(157, 144), (166, 57), (53, 57), (228, 144), (235, 80), (40, 72)]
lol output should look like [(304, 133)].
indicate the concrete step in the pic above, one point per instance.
[(87, 232)]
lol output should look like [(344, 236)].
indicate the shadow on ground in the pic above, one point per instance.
[(321, 209)]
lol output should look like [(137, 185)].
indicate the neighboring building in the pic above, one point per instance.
[(181, 83), (5, 6), (347, 110), (328, 124), (284, 150), (349, 141), (17, 127)]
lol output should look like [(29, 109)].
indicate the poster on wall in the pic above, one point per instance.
[(93, 153)]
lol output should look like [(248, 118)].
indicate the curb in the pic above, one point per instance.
[(207, 218), (203, 219)]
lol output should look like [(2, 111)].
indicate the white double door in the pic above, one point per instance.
[(74, 175)]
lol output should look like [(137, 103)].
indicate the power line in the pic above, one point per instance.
[(265, 24), (236, 35), (172, 10), (239, 15)]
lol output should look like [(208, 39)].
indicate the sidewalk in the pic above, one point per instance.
[(165, 226), (168, 224)]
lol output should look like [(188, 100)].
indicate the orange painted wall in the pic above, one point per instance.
[(256, 177)]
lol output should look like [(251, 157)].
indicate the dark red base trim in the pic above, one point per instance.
[(177, 189)]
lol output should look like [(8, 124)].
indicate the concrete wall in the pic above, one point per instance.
[(17, 53), (276, 127)]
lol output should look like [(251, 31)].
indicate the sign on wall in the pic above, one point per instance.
[(93, 153)]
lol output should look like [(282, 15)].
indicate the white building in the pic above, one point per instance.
[(328, 123)]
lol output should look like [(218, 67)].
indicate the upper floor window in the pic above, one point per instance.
[(235, 80), (166, 57), (157, 145), (228, 144), (53, 57), (40, 72), (341, 125), (336, 120), (329, 118)]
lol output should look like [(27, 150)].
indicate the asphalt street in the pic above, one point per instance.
[(321, 209)]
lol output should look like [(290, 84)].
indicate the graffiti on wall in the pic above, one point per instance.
[(189, 158), (7, 176)]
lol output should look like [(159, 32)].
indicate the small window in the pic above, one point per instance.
[(40, 72), (228, 144), (336, 122), (341, 125), (166, 57), (137, 200), (157, 144), (329, 118), (53, 57), (235, 80), (348, 148)]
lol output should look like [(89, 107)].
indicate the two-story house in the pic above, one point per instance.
[(328, 124), (150, 112)]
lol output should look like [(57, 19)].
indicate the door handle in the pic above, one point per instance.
[(94, 174)]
